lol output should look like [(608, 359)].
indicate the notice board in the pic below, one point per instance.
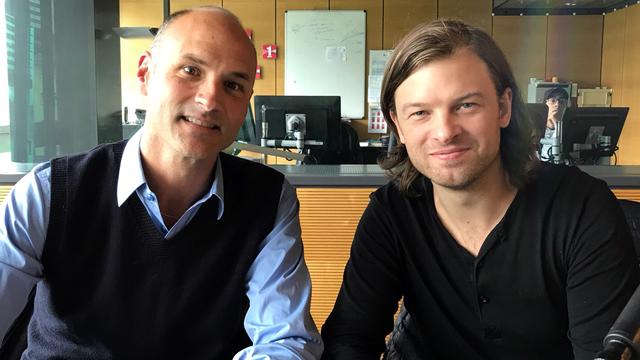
[(325, 55)]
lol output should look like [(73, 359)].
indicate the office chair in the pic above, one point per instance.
[(631, 211), (347, 152), (247, 132), (350, 147), (405, 342)]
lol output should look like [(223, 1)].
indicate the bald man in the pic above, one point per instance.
[(163, 246)]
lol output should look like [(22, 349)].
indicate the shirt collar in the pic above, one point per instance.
[(131, 176)]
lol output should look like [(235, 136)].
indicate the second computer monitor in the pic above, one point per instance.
[(595, 128), (538, 116)]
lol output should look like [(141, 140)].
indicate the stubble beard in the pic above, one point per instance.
[(462, 176)]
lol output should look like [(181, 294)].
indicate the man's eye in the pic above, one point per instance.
[(466, 106), (232, 85), (191, 70)]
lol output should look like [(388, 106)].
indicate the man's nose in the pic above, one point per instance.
[(207, 95), (446, 126)]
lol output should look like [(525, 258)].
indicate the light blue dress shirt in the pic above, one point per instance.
[(278, 284)]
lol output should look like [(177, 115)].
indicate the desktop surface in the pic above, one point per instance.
[(620, 176)]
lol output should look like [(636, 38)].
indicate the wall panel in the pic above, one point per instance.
[(613, 50), (260, 17), (574, 49), (629, 153), (135, 13), (475, 12), (140, 12), (329, 217), (628, 194), (527, 58), (613, 42), (4, 191), (401, 16), (176, 5)]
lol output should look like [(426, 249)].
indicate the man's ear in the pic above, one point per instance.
[(394, 118), (143, 71), (504, 104)]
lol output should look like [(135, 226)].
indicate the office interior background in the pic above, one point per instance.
[(79, 99), (93, 67), (591, 50)]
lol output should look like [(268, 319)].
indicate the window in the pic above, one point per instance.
[(47, 81)]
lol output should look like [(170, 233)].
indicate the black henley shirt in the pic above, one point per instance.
[(548, 282)]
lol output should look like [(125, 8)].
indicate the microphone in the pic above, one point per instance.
[(625, 332)]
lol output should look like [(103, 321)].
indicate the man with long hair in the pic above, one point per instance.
[(496, 255)]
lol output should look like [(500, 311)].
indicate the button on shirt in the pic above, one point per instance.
[(278, 285), (480, 281)]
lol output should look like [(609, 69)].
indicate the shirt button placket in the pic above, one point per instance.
[(492, 333), (483, 300)]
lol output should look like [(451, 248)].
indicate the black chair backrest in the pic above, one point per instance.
[(631, 211), (350, 147)]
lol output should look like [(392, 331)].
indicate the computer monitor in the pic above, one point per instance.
[(247, 132), (538, 116), (302, 122), (537, 91), (592, 132)]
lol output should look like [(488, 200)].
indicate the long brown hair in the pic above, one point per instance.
[(440, 39)]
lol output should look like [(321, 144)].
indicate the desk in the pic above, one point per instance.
[(617, 177), (372, 150)]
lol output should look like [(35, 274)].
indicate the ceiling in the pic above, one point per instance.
[(558, 7)]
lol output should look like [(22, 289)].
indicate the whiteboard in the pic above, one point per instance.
[(325, 55)]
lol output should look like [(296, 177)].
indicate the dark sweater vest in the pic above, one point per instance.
[(114, 288)]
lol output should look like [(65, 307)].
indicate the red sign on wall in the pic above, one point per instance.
[(269, 51)]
